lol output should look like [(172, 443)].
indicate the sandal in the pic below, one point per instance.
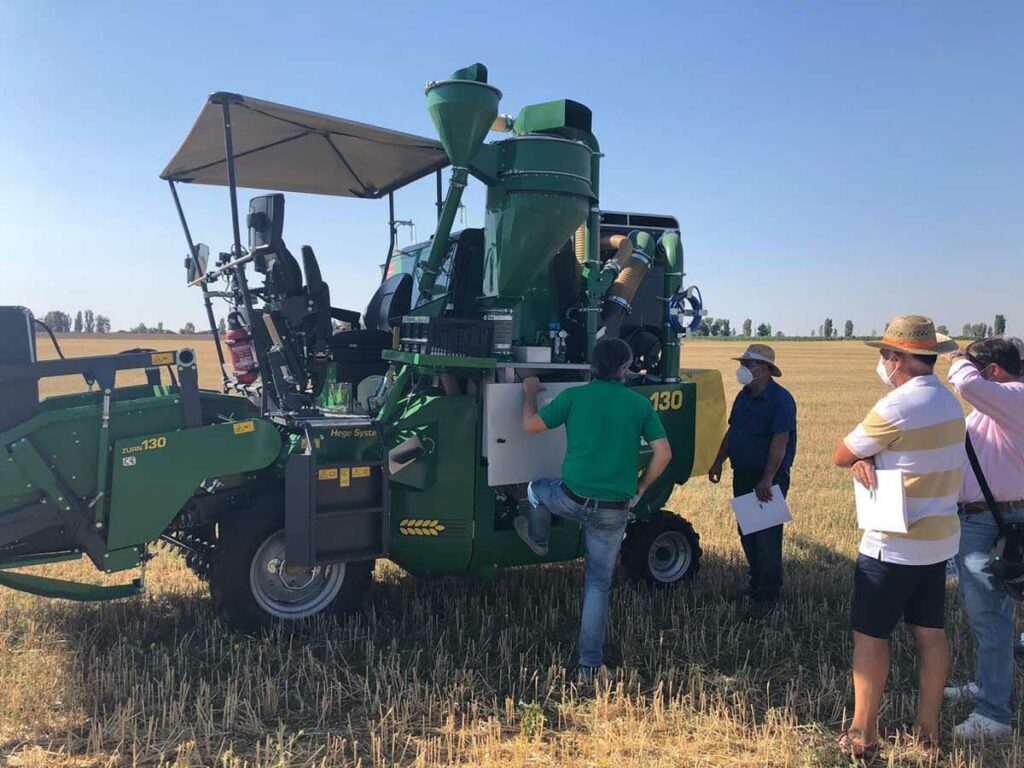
[(847, 742)]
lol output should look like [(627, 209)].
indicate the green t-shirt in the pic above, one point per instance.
[(604, 421)]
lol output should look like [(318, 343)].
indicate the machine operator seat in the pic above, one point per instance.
[(318, 297), (358, 352)]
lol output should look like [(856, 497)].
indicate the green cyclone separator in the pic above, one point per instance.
[(463, 108)]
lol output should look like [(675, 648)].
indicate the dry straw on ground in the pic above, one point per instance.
[(464, 673)]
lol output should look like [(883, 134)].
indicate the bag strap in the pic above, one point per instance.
[(983, 483)]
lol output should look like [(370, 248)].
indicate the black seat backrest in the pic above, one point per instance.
[(19, 400), (390, 301), (286, 274), (319, 297), (266, 244), (311, 267)]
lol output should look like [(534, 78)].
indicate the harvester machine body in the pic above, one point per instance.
[(342, 436)]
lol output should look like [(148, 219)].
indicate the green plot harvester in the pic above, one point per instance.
[(340, 437)]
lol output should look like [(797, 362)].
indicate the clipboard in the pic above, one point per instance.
[(885, 508), (754, 515)]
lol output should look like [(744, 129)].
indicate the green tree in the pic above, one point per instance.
[(102, 324), (943, 330), (90, 321), (58, 322), (999, 326), (848, 329), (827, 327), (79, 323), (748, 327), (764, 329), (188, 328), (222, 326)]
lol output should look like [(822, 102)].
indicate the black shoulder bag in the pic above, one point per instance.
[(1006, 560)]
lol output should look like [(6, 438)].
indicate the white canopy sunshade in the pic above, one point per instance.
[(291, 150)]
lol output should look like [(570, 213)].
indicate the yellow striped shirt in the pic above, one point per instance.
[(919, 428)]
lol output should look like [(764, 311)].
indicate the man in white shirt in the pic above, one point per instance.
[(917, 428)]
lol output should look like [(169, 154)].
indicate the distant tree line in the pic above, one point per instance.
[(188, 328), (982, 330), (720, 326), (712, 326), (85, 321)]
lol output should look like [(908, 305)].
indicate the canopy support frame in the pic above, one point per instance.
[(240, 280), (392, 235), (206, 291)]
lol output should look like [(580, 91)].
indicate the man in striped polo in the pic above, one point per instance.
[(918, 427)]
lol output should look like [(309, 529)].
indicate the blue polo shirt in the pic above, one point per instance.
[(754, 420)]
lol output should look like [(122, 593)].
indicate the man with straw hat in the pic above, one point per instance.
[(760, 445), (918, 428)]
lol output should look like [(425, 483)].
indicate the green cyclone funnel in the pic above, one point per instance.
[(543, 193), (463, 110)]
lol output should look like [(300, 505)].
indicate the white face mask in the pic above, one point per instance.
[(883, 373), (744, 376)]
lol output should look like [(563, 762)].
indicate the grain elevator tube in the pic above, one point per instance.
[(462, 109)]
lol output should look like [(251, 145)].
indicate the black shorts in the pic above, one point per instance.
[(882, 592)]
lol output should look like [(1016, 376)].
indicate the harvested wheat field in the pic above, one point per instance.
[(463, 673)]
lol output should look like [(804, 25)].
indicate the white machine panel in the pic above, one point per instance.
[(513, 456)]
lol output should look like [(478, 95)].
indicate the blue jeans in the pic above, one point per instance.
[(602, 537), (990, 614)]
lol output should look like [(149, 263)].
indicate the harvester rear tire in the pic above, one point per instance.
[(231, 586), (662, 551)]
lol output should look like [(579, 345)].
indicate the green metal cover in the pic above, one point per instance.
[(154, 475), (542, 193), (432, 526)]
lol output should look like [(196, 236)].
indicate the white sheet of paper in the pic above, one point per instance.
[(885, 508), (754, 515)]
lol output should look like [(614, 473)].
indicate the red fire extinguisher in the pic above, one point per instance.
[(243, 357)]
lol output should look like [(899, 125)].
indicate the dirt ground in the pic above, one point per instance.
[(467, 673)]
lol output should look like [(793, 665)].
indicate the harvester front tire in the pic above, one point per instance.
[(245, 548), (662, 551)]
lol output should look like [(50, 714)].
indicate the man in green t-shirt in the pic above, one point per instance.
[(604, 421)]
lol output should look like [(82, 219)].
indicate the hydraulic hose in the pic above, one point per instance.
[(618, 300), (49, 332), (622, 246), (579, 242), (638, 264)]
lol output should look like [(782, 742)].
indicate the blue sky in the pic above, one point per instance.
[(850, 160)]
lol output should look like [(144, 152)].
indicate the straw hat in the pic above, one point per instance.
[(761, 353), (915, 335)]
